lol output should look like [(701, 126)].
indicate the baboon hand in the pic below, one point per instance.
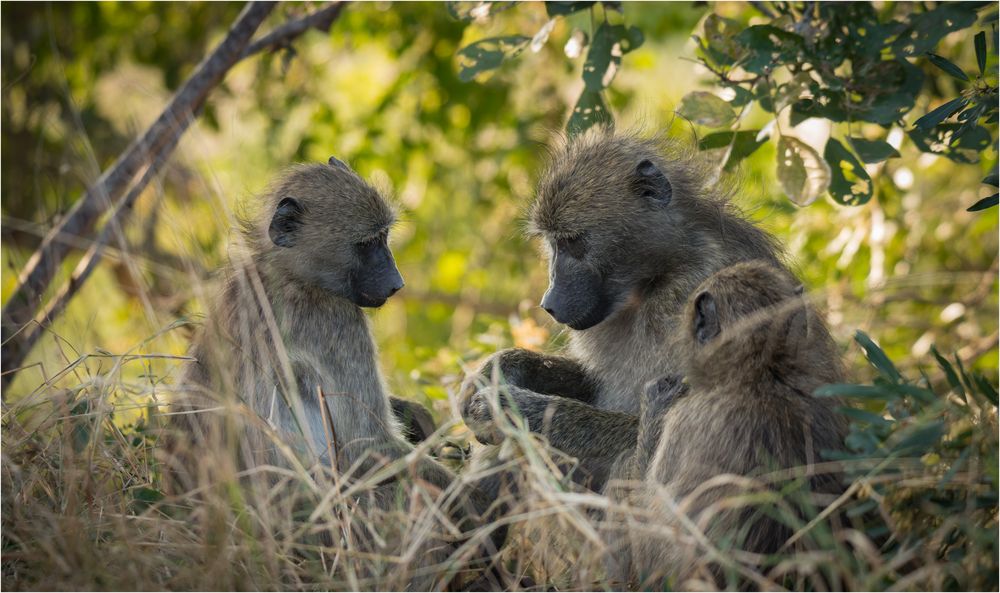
[(477, 412), (661, 394), (503, 362)]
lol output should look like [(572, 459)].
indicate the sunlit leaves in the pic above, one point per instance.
[(558, 8), (706, 109), (488, 54), (589, 110), (873, 151), (768, 47), (743, 143), (610, 43), (850, 184), (470, 11), (926, 29), (945, 141), (803, 174), (941, 113)]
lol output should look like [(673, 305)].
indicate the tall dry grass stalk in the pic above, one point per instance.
[(86, 505)]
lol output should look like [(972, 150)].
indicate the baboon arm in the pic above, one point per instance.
[(574, 427), (415, 420), (541, 373)]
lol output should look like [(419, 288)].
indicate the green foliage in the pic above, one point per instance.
[(934, 444), (606, 45), (851, 65)]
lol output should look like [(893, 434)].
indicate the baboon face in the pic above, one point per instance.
[(330, 229), (607, 216)]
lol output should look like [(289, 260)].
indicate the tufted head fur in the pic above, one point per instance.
[(750, 323), (327, 229), (620, 215)]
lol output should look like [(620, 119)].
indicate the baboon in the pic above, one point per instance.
[(288, 340), (756, 351), (629, 226)]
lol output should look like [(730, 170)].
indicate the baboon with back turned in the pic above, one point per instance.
[(756, 351), (629, 226), (287, 369)]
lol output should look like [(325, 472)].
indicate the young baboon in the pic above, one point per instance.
[(756, 351), (287, 369), (630, 226)]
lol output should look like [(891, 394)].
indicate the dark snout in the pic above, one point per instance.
[(576, 298), (377, 279)]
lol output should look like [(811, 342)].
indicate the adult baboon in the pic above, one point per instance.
[(756, 351), (630, 226), (287, 368)]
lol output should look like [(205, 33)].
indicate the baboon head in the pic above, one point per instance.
[(751, 320), (616, 217), (329, 229)]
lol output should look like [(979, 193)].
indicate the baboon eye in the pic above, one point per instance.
[(574, 246), (652, 184)]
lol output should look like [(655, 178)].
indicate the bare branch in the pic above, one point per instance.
[(151, 150), (80, 220), (280, 37)]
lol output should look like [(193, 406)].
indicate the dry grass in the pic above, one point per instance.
[(85, 507)]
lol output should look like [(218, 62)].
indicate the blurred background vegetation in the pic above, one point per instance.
[(382, 91), (456, 128)]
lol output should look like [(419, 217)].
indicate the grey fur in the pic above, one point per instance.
[(285, 332), (650, 255), (747, 407)]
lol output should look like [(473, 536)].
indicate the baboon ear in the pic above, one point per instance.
[(286, 222), (652, 183), (335, 162), (706, 318)]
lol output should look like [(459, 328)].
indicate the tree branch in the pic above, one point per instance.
[(151, 150), (322, 20)]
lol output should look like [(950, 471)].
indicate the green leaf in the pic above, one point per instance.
[(803, 175), (849, 390), (558, 8), (488, 54), (926, 29), (920, 438), (949, 372), (590, 110), (768, 47), (873, 151), (744, 143), (947, 66), (706, 109), (895, 86), (981, 51), (986, 389), (609, 44), (144, 498), (850, 184), (877, 357), (984, 204), (720, 45), (941, 140), (940, 114), (865, 416)]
